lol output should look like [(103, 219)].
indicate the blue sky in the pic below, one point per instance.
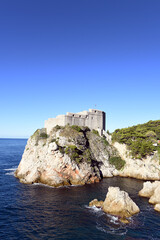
[(59, 56)]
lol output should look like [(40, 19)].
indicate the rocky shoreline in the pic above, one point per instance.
[(72, 155)]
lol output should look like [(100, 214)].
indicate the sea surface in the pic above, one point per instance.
[(41, 212)]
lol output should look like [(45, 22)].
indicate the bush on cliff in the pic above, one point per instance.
[(77, 155), (139, 138), (117, 162), (77, 128)]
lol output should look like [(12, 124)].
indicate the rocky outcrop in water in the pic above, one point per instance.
[(152, 191), (68, 155), (117, 203)]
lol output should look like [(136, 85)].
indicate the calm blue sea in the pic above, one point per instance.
[(41, 212)]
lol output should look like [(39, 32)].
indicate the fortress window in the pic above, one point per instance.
[(73, 115), (79, 115), (95, 111)]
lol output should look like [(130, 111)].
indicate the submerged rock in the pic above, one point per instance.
[(117, 203), (95, 202)]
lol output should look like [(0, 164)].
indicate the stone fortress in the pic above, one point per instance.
[(94, 119)]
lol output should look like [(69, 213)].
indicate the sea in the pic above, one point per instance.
[(40, 212)]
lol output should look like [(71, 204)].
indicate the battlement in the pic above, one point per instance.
[(94, 119)]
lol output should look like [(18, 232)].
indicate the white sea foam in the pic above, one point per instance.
[(114, 219), (101, 229), (10, 173), (10, 169), (43, 185), (94, 208)]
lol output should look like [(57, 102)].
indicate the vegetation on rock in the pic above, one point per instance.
[(95, 132), (77, 128), (139, 138), (117, 162), (77, 155)]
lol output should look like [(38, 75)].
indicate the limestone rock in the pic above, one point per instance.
[(152, 191), (148, 189), (64, 157), (155, 198), (96, 203), (119, 203), (157, 207), (145, 169)]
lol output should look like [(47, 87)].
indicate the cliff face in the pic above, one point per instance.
[(68, 155), (147, 168)]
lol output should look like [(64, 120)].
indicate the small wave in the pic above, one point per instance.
[(94, 208), (43, 185), (65, 186), (10, 169), (10, 173), (114, 231)]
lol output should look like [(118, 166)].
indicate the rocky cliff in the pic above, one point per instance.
[(146, 168), (68, 155)]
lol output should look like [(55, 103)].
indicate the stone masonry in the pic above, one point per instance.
[(94, 119)]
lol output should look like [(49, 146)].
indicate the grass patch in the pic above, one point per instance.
[(117, 162), (95, 132), (77, 128)]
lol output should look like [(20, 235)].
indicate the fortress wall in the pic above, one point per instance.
[(52, 122), (75, 119), (94, 119)]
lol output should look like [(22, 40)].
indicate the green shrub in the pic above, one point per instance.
[(140, 148), (61, 149), (43, 135), (87, 156), (77, 128), (117, 162), (95, 132), (139, 138), (73, 152), (36, 133), (105, 141), (77, 155), (57, 127)]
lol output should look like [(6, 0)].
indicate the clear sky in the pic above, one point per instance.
[(59, 56)]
